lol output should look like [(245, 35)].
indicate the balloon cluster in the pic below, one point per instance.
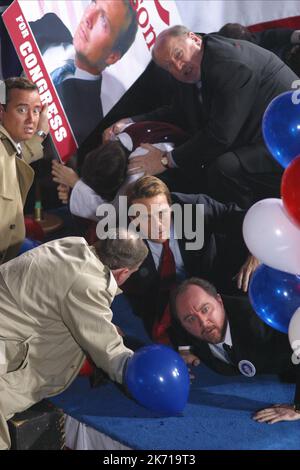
[(271, 227)]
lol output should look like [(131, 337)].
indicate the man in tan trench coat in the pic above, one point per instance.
[(24, 125), (54, 310)]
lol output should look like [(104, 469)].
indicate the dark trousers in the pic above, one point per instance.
[(228, 181)]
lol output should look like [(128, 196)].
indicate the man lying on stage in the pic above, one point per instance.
[(227, 335)]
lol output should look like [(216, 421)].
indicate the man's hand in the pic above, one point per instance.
[(63, 174), (276, 413), (243, 276), (189, 358), (150, 164), (115, 129), (43, 124), (63, 193)]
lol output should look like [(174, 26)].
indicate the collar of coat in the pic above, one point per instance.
[(8, 152), (5, 136)]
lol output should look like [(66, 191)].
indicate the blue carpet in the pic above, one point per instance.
[(217, 416)]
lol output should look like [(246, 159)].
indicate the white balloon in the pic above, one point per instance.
[(272, 237), (294, 336)]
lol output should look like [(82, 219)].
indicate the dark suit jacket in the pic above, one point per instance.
[(79, 97), (277, 40), (218, 260), (239, 79), (253, 340)]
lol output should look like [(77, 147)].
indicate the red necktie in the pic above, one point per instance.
[(167, 274), (87, 368)]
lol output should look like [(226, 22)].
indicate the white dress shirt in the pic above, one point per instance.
[(218, 350)]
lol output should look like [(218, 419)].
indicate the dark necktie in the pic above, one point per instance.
[(167, 276), (229, 353)]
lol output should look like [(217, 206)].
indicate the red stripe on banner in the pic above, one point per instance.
[(292, 22), (33, 65)]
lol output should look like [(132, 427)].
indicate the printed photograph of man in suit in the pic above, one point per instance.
[(226, 334), (104, 34)]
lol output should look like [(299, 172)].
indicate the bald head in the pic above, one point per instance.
[(174, 31), (179, 51)]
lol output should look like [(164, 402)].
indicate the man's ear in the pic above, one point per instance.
[(219, 299), (113, 57), (120, 274), (194, 37)]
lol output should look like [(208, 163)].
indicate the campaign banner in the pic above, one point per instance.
[(88, 54), (33, 65), (84, 55)]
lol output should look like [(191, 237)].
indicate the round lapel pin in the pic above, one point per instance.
[(247, 368)]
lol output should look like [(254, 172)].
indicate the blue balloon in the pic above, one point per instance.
[(275, 296), (158, 379), (281, 128), (28, 244)]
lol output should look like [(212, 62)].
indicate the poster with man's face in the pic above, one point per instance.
[(84, 55)]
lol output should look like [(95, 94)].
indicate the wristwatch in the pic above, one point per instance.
[(41, 134), (164, 160), (297, 407)]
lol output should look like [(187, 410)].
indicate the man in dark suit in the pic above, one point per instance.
[(223, 89), (204, 239), (227, 335), (284, 42), (104, 34)]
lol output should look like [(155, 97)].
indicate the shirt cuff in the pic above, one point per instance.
[(184, 348), (172, 163)]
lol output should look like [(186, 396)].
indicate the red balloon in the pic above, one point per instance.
[(290, 190)]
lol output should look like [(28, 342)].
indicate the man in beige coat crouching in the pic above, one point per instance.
[(54, 310)]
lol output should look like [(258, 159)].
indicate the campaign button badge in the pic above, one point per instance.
[(247, 368)]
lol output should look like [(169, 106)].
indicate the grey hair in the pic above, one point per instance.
[(121, 248), (174, 31)]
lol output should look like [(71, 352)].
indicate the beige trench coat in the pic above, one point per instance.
[(54, 307), (16, 177)]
